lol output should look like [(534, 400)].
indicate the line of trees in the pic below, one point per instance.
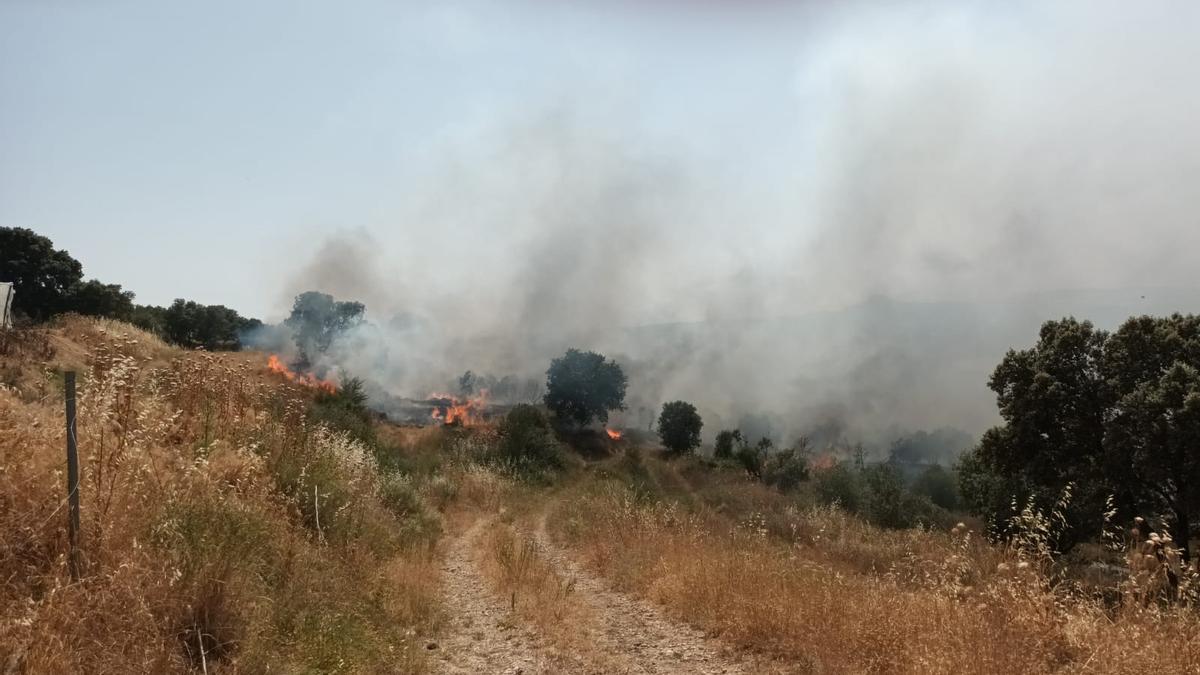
[(1113, 418), (49, 281)]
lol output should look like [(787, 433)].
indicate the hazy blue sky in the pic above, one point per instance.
[(201, 149), (773, 157)]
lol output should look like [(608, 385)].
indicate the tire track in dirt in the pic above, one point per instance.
[(635, 634), (481, 636)]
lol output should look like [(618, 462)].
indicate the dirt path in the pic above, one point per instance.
[(635, 634), (481, 636), (627, 635)]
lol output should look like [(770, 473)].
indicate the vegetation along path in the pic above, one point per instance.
[(633, 631), (627, 635), (481, 635)]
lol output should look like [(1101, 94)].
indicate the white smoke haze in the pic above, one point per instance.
[(927, 183)]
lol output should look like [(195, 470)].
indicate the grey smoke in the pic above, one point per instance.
[(950, 175)]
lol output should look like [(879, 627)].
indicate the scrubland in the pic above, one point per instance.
[(221, 528), (829, 593), (237, 522)]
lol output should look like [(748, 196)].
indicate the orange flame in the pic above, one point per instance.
[(614, 434), (307, 379), (466, 412)]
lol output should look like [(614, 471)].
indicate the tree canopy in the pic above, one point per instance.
[(48, 281), (212, 327), (679, 427), (317, 318), (94, 298), (1112, 414), (584, 386), (42, 276)]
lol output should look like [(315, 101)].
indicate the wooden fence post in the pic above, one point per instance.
[(72, 476)]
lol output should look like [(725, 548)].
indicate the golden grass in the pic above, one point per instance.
[(534, 590), (202, 488), (833, 594)]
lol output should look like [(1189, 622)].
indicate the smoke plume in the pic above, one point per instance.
[(902, 192)]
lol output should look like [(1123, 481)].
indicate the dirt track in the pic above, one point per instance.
[(627, 635)]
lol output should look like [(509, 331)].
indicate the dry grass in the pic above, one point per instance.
[(536, 592), (202, 488), (833, 594)]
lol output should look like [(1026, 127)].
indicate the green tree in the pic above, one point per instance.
[(727, 442), (939, 486), (787, 469), (150, 318), (42, 276), (213, 327), (317, 319), (584, 386), (1152, 444), (93, 298), (1053, 401), (679, 427), (1112, 414)]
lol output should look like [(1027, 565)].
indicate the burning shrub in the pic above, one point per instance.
[(679, 427), (345, 409)]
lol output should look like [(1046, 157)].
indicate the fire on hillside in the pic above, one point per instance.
[(452, 410), (306, 379), (614, 434)]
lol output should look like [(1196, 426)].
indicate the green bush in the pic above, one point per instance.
[(785, 470), (938, 485), (526, 441), (679, 427), (840, 485), (727, 442), (346, 410)]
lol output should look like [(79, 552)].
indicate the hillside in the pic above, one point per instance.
[(237, 521)]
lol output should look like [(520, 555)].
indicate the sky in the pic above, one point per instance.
[(512, 177), (202, 150), (210, 150)]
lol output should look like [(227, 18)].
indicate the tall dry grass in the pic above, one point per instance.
[(832, 594), (537, 592), (221, 530)]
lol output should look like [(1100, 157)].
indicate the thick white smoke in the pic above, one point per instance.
[(854, 243)]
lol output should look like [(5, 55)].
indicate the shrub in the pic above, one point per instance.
[(525, 439), (785, 470), (840, 485), (345, 410), (939, 486), (727, 442), (679, 427), (885, 496)]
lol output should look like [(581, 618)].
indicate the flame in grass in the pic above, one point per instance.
[(452, 410), (614, 434), (307, 379)]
